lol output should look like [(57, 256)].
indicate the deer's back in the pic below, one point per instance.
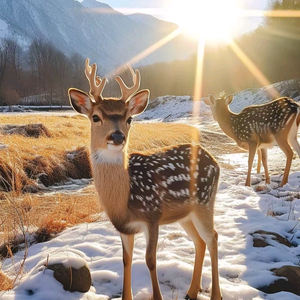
[(263, 120), (165, 178)]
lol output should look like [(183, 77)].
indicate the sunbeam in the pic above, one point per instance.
[(268, 13), (149, 50), (261, 78), (197, 94), (199, 71), (282, 13)]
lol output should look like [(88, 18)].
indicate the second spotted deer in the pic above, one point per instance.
[(259, 127), (140, 192)]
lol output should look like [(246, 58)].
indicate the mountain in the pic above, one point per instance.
[(157, 24), (92, 29)]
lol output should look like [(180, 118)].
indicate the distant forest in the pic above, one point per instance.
[(42, 74)]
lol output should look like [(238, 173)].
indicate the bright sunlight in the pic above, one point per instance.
[(208, 20)]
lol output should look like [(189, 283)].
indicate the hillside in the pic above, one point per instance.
[(91, 28), (171, 108)]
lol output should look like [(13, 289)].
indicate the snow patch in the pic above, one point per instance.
[(3, 29)]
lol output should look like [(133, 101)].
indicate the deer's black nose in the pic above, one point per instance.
[(117, 138)]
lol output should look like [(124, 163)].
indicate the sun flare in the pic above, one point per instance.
[(208, 20)]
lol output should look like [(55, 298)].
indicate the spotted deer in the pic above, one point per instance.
[(259, 127), (140, 192)]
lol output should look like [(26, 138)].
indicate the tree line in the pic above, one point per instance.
[(40, 75), (43, 74)]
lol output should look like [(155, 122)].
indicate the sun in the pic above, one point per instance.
[(205, 19)]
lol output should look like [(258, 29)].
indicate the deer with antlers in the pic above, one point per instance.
[(140, 192), (259, 127)]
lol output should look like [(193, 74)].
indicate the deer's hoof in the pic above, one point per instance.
[(187, 297)]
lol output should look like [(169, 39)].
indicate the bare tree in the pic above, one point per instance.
[(3, 59)]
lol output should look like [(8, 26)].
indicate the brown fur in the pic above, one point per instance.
[(258, 127), (143, 191)]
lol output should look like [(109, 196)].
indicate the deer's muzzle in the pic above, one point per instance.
[(117, 138)]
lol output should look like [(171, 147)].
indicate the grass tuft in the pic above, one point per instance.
[(5, 282)]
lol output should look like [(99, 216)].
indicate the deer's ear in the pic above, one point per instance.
[(138, 102), (206, 100), (80, 101), (229, 99), (212, 99)]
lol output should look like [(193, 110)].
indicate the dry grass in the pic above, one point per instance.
[(43, 157), (5, 282), (27, 159), (144, 137), (43, 216)]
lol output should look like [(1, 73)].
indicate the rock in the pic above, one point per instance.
[(29, 130), (73, 280), (291, 282), (261, 238), (79, 163), (2, 146), (31, 188)]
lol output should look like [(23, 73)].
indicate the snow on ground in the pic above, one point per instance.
[(239, 211), (21, 109)]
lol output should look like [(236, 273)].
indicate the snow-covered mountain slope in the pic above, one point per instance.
[(262, 95), (97, 4), (170, 108), (3, 29), (91, 28)]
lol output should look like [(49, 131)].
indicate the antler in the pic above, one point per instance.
[(126, 92), (96, 83)]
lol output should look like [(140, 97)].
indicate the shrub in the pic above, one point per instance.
[(11, 97)]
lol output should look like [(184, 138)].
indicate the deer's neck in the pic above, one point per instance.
[(224, 118), (112, 184)]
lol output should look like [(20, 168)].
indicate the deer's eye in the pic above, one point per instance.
[(96, 118), (129, 120)]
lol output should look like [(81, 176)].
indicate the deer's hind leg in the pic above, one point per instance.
[(200, 246), (151, 239), (292, 138), (286, 148), (204, 224)]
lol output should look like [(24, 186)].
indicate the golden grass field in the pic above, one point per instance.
[(46, 214)]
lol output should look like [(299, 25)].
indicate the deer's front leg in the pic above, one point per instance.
[(127, 244), (264, 154), (259, 159), (152, 237), (252, 151)]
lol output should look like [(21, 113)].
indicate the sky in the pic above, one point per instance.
[(142, 5), (156, 8)]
